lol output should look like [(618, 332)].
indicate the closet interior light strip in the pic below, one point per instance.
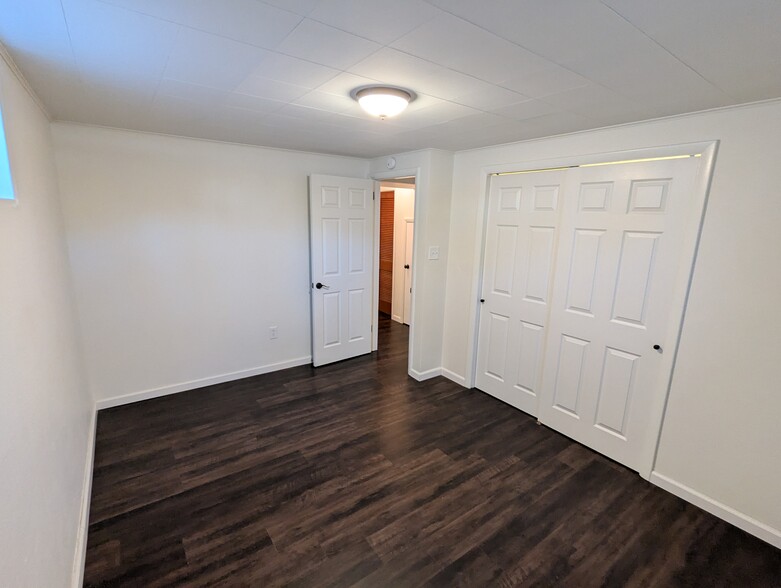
[(534, 171), (638, 160), (547, 169)]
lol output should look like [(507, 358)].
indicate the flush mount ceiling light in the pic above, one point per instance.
[(383, 101)]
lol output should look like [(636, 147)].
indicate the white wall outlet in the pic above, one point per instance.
[(272, 332), (433, 252)]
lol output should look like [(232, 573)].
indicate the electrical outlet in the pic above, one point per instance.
[(433, 252), (272, 332)]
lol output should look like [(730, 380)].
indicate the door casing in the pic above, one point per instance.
[(378, 179)]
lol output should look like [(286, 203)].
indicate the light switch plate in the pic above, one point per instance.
[(433, 252)]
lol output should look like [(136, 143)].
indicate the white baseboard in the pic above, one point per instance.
[(427, 375), (193, 384), (454, 377), (80, 556), (729, 514), (440, 371)]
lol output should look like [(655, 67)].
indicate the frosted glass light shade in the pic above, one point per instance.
[(383, 102)]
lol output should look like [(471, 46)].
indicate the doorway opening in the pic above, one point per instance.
[(396, 239)]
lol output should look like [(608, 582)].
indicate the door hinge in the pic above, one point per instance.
[(374, 195)]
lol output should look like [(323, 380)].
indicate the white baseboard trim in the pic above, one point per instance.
[(80, 556), (729, 514), (193, 384), (440, 371), (454, 377), (427, 375)]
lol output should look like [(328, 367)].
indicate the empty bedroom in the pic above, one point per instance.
[(412, 293)]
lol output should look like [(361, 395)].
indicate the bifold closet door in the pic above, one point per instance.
[(523, 212), (613, 324)]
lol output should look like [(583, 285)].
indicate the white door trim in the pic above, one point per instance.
[(376, 268), (419, 195), (679, 298)]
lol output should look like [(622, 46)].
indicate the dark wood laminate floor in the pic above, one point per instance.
[(355, 474)]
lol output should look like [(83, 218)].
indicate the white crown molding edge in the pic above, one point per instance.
[(23, 80)]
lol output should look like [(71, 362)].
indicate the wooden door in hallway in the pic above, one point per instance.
[(386, 250)]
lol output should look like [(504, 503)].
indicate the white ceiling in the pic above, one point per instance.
[(279, 72)]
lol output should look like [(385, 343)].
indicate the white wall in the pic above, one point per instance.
[(721, 436), (184, 253), (46, 415), (434, 171), (403, 209)]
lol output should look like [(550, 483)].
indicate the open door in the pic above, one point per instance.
[(341, 222)]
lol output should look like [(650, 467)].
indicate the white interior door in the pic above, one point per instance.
[(523, 212), (621, 250), (408, 244), (341, 221)]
